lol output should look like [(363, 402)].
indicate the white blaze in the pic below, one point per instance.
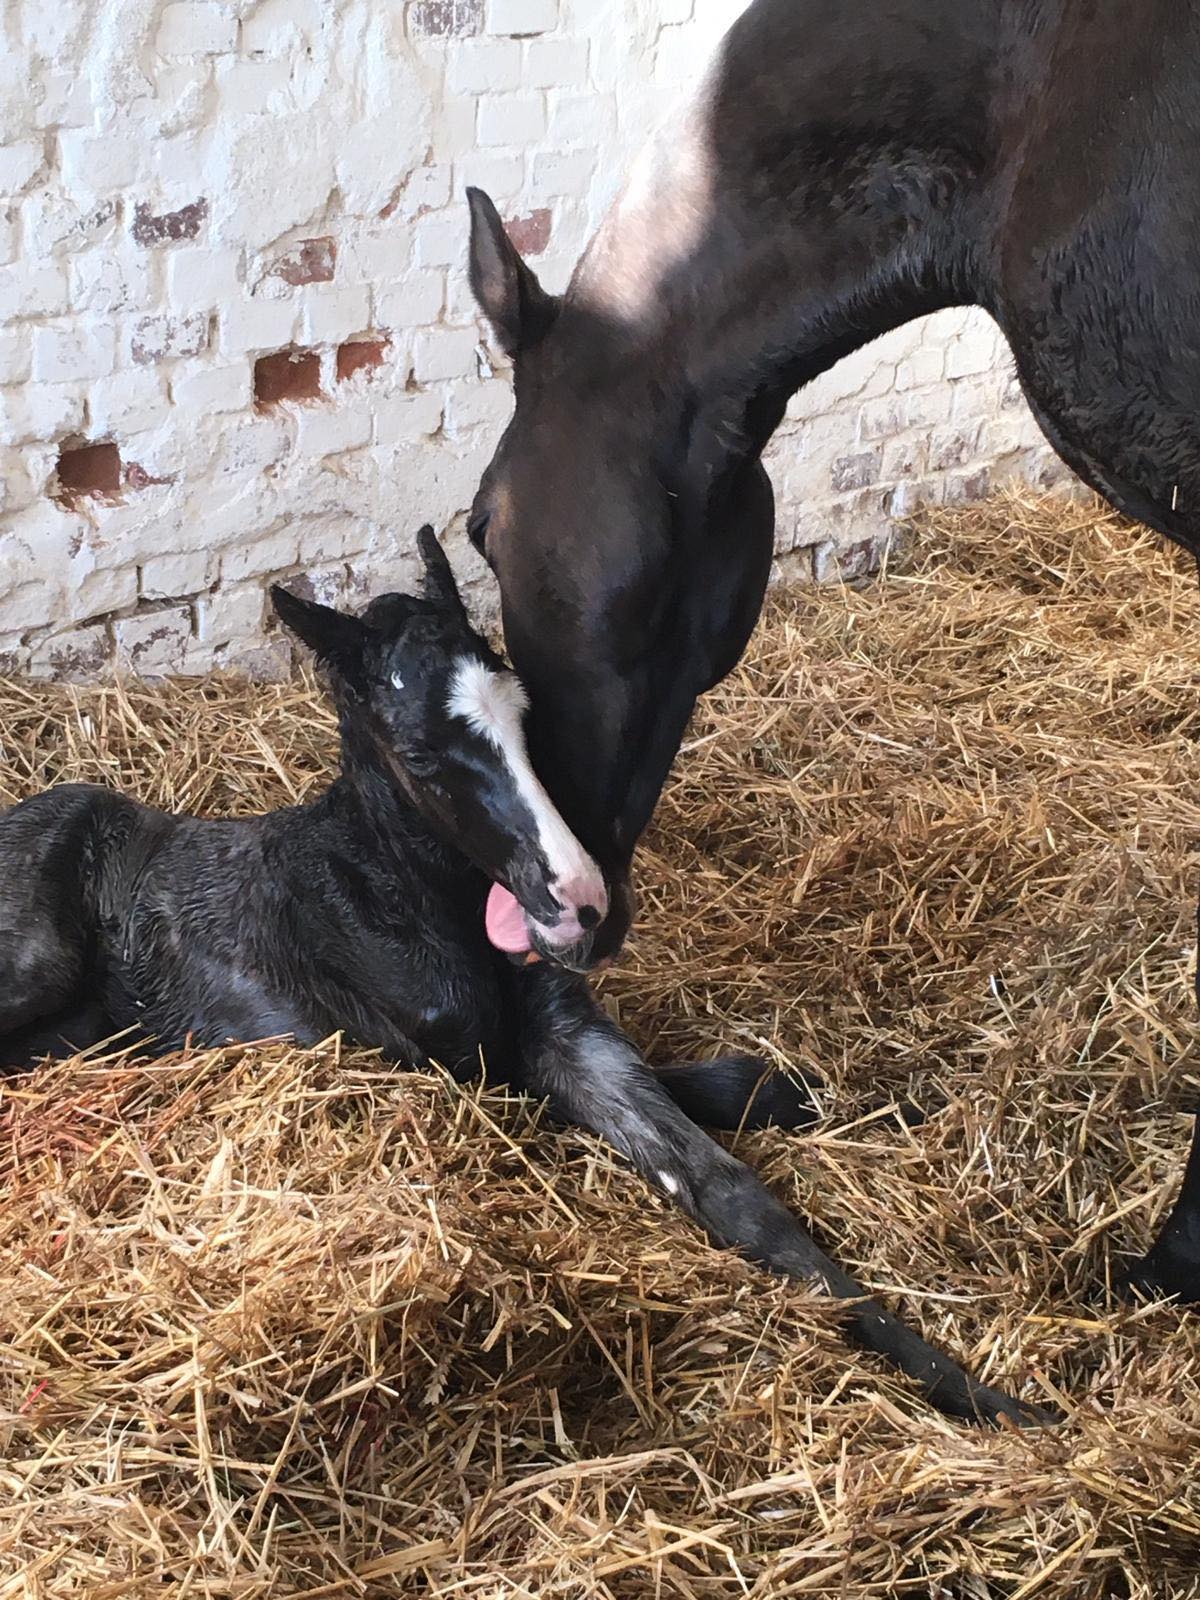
[(493, 704)]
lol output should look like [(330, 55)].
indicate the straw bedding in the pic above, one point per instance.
[(285, 1323)]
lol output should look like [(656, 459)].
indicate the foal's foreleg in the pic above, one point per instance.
[(594, 1077)]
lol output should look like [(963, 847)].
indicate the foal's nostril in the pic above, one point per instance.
[(588, 916)]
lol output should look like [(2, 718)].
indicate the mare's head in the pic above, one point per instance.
[(423, 699), (630, 527)]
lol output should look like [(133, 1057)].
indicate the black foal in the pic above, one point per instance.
[(369, 911)]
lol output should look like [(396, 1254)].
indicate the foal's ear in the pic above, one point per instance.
[(331, 635), (439, 586), (508, 292)]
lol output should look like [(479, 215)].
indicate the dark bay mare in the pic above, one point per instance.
[(841, 169), (366, 911)]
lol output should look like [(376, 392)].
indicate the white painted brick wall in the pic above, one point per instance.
[(187, 186)]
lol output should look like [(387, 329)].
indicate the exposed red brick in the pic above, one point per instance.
[(311, 261), (356, 354), (442, 18), (530, 234), (166, 227), (287, 375), (88, 469)]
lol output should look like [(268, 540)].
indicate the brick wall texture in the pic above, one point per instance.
[(236, 337)]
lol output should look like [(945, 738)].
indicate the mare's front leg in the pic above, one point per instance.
[(1171, 1267), (594, 1077)]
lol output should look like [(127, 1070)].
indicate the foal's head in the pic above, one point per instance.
[(445, 717)]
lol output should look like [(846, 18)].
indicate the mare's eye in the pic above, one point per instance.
[(396, 681), (477, 530)]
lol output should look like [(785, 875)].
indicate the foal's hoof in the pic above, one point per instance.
[(1164, 1273), (739, 1092), (992, 1408), (908, 1111)]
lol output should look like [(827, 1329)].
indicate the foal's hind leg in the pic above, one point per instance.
[(41, 1012), (41, 975), (61, 1035), (738, 1091), (45, 935), (41, 968), (594, 1077)]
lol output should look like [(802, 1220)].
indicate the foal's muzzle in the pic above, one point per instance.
[(593, 934), (583, 907)]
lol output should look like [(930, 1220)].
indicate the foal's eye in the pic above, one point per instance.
[(421, 763), (396, 681)]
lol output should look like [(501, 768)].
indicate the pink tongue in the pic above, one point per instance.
[(505, 922)]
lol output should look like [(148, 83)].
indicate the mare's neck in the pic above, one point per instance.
[(727, 274)]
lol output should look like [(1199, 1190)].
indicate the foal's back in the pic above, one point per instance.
[(311, 920), (300, 922)]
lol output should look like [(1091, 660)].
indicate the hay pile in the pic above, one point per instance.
[(276, 1323)]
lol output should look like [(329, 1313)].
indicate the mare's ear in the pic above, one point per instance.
[(507, 291), (439, 586), (334, 637)]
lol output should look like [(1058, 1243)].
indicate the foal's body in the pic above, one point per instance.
[(841, 170), (362, 911), (346, 914), (366, 911)]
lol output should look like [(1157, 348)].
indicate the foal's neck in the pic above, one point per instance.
[(393, 826)]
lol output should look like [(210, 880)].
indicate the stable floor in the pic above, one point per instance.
[(276, 1323)]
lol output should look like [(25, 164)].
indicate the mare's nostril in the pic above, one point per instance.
[(588, 916)]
